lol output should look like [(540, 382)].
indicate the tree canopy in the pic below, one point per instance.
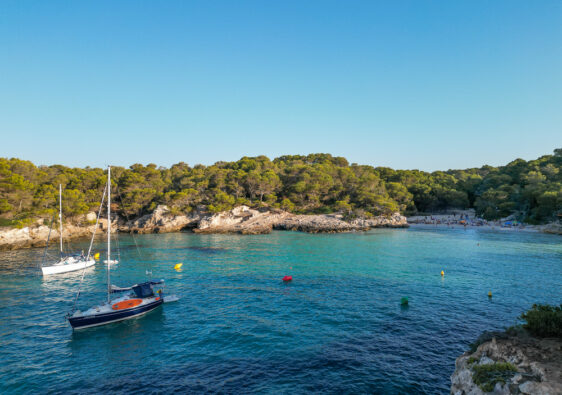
[(315, 183)]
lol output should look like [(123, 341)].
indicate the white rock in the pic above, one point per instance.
[(485, 360), (517, 378), (531, 387), (537, 370), (501, 390)]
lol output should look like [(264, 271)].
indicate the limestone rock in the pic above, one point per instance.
[(538, 363), (324, 223), (396, 220), (11, 239), (245, 220), (242, 219), (554, 228), (461, 380), (162, 221)]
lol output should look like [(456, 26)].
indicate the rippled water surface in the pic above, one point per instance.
[(338, 327)]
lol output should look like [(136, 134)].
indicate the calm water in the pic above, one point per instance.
[(338, 327)]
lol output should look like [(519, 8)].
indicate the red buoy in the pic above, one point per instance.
[(288, 278)]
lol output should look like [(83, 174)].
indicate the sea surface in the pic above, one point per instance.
[(338, 327)]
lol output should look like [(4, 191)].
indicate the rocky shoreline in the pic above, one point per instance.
[(241, 220), (511, 362), (13, 238)]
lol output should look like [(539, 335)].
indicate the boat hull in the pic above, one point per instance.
[(82, 322), (67, 267)]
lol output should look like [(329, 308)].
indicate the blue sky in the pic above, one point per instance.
[(406, 84)]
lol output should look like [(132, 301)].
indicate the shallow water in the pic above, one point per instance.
[(337, 327)]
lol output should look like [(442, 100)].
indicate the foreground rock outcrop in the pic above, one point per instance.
[(243, 220), (513, 363)]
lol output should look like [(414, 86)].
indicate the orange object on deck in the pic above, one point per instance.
[(126, 304)]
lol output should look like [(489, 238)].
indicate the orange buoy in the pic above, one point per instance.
[(288, 278), (126, 304)]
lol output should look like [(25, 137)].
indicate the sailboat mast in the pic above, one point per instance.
[(60, 216), (108, 231)]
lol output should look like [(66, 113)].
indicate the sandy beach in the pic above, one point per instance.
[(527, 228), (467, 219)]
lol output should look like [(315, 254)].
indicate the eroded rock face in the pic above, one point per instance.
[(242, 219), (538, 363), (161, 221), (91, 216), (325, 223), (15, 238), (12, 239), (554, 228), (396, 220), (245, 220)]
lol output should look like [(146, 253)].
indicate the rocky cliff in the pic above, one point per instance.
[(12, 239), (510, 363), (243, 220), (162, 221)]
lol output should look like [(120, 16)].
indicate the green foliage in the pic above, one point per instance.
[(344, 206), (315, 183), (544, 320), (222, 202), (287, 205), (7, 222), (486, 376), (5, 206), (22, 223), (270, 199), (74, 203)]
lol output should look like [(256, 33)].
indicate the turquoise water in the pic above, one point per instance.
[(338, 327)]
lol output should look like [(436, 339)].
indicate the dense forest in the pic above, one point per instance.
[(316, 183)]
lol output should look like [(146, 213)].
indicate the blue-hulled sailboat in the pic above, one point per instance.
[(134, 301)]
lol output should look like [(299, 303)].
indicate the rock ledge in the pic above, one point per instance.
[(246, 220), (242, 219), (538, 364)]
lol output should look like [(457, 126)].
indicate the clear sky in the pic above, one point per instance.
[(406, 84)]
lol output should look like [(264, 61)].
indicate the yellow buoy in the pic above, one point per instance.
[(489, 294), (442, 273), (178, 266), (97, 255)]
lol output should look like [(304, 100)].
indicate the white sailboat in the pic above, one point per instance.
[(68, 262), (140, 301)]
